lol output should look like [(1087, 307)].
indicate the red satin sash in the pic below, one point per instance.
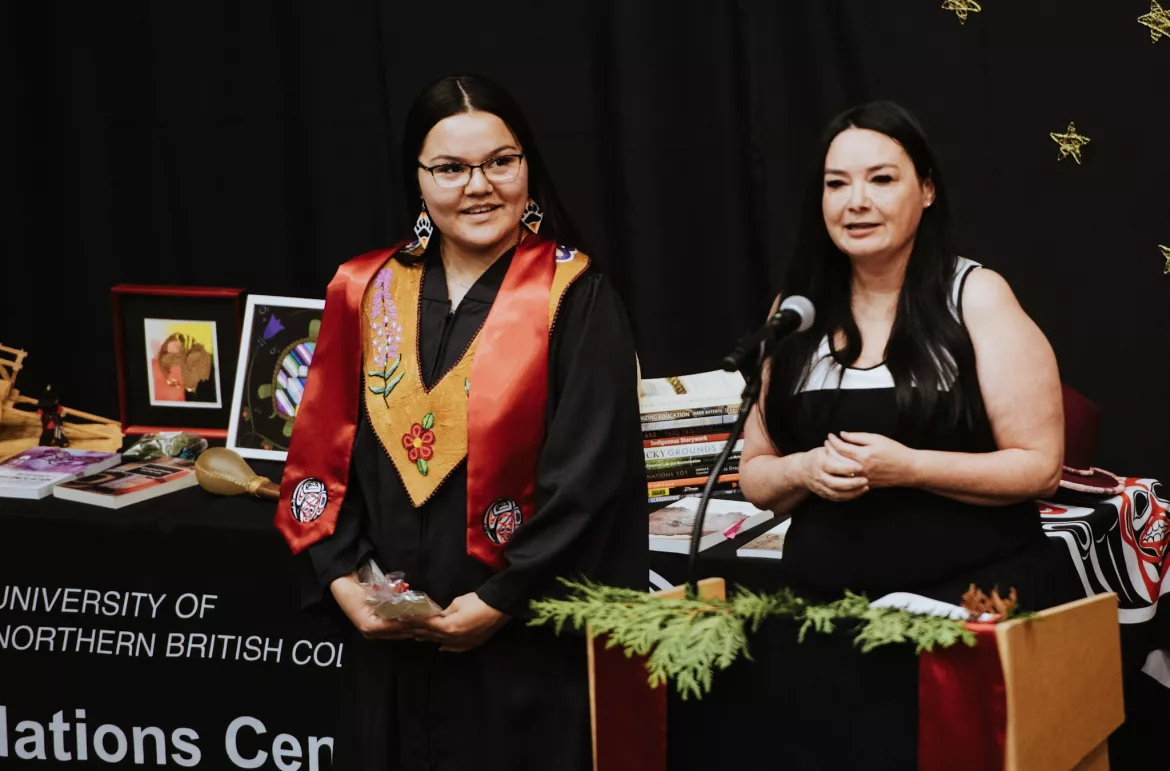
[(506, 404), (962, 706), (506, 407), (316, 472)]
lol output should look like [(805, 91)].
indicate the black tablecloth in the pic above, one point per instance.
[(180, 612)]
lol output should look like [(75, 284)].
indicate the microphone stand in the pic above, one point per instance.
[(752, 370)]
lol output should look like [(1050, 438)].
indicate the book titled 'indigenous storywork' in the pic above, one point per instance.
[(33, 473), (671, 526), (769, 545), (130, 483)]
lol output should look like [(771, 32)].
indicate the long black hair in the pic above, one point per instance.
[(929, 353), (457, 94)]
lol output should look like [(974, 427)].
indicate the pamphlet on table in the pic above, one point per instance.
[(34, 472), (769, 545), (130, 483), (671, 526)]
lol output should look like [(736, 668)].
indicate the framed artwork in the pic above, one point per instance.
[(276, 352), (173, 346)]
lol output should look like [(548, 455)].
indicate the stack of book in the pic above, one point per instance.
[(686, 424)]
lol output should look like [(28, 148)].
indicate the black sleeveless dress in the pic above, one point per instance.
[(901, 539), (821, 703)]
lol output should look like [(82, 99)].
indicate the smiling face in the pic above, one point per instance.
[(872, 199), (481, 215)]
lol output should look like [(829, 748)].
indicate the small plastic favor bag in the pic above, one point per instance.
[(391, 597), (176, 444)]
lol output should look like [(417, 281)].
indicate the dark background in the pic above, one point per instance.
[(254, 145)]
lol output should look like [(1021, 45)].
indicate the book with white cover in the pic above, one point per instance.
[(671, 526), (31, 474), (130, 483), (705, 388), (769, 545)]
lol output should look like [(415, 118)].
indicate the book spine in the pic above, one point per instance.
[(707, 424), (673, 441), (697, 483), (689, 450), (686, 413), (668, 464), (693, 485), (662, 464), (683, 433), (688, 471), (715, 494)]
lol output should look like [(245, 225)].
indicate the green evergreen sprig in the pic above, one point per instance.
[(687, 640)]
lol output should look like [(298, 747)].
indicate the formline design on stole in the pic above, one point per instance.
[(501, 520), (309, 499)]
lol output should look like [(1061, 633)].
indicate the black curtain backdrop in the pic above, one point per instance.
[(254, 145)]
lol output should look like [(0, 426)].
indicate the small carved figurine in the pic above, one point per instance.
[(51, 413)]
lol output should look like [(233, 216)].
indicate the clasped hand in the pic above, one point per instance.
[(847, 466), (466, 623)]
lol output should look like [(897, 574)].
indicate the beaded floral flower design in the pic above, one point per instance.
[(419, 443)]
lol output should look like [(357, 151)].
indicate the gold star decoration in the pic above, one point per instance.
[(1166, 254), (1070, 143), (1158, 20), (962, 8)]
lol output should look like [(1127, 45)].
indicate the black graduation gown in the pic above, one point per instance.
[(520, 701)]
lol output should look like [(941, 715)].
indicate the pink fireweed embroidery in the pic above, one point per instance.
[(384, 323), (386, 331)]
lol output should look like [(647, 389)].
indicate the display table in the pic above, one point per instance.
[(174, 627), (179, 614)]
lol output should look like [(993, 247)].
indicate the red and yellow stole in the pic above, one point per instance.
[(489, 408)]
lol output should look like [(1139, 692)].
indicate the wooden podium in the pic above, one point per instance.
[(1062, 678), (1062, 669)]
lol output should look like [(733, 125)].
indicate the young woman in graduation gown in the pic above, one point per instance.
[(908, 432), (471, 419)]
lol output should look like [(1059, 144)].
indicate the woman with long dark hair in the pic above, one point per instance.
[(471, 419), (910, 429), (907, 432)]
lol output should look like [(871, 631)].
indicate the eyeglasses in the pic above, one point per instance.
[(502, 168)]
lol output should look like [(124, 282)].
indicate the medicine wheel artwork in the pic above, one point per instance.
[(288, 380), (278, 353)]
